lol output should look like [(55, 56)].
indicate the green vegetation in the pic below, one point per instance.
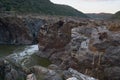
[(116, 15), (39, 6)]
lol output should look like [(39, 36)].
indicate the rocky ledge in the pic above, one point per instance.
[(90, 47)]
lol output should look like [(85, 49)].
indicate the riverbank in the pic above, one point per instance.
[(82, 47)]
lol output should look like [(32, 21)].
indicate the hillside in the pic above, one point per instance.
[(39, 6), (99, 15), (116, 15)]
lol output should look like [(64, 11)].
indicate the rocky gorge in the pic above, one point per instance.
[(76, 48)]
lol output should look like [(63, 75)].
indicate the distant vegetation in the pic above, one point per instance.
[(39, 6), (116, 15)]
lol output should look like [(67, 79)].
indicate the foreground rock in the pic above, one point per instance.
[(58, 74), (55, 36), (8, 72), (45, 74), (75, 75), (90, 48)]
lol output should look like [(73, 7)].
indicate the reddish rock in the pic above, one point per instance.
[(57, 35)]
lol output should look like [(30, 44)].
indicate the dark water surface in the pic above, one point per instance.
[(23, 55), (6, 50)]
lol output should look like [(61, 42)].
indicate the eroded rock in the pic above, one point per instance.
[(90, 48), (14, 31)]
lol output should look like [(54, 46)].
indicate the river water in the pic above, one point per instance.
[(24, 55)]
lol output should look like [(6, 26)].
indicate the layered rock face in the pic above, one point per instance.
[(15, 30), (90, 47), (34, 25)]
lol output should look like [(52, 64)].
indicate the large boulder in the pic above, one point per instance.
[(54, 37)]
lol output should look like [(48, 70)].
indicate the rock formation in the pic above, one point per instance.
[(91, 49), (58, 74), (55, 36), (15, 30)]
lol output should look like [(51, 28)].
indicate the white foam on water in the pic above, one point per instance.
[(21, 56)]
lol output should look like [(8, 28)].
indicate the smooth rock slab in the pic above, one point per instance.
[(72, 74)]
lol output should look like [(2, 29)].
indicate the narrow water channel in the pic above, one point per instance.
[(23, 55)]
